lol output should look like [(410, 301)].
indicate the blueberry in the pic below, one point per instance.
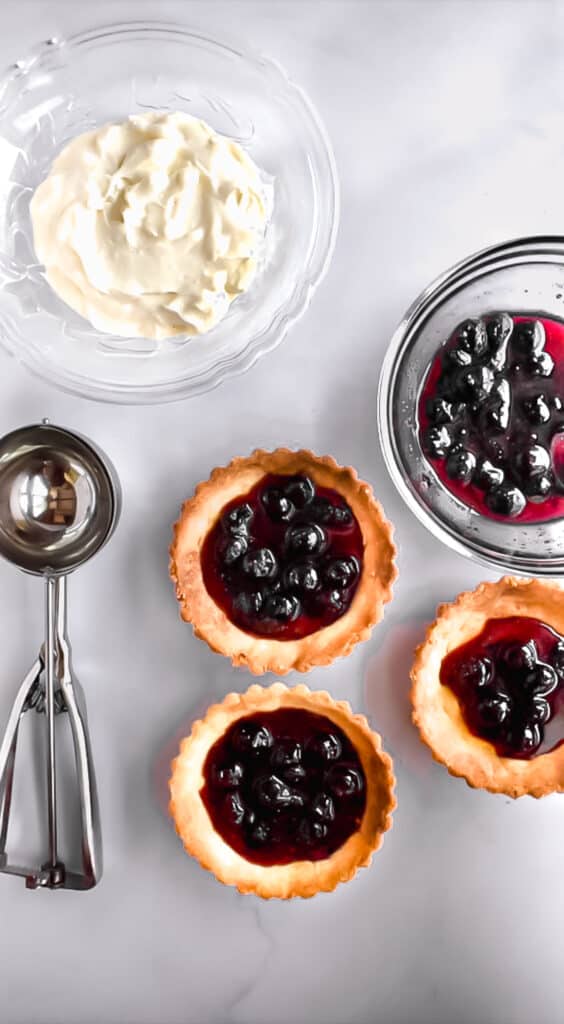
[(250, 817), (541, 365), (440, 411), (499, 329), (460, 434), (487, 475), (228, 777), (493, 710), (499, 406), (300, 490), (282, 607), (302, 577), (234, 809), (531, 460), (529, 337), (539, 487), (506, 501), (460, 465), (557, 659), (472, 337), (233, 551), (260, 563), (536, 409), (286, 753), (249, 603), (344, 780), (464, 334), (323, 511), (341, 515), (325, 745), (311, 832), (556, 403), (541, 680), (477, 672), (322, 806), (275, 794), (475, 384), (335, 601), (342, 572), (538, 711), (502, 682), (237, 520), (259, 834), (456, 357), (498, 417), (437, 441), (305, 539), (251, 737), (519, 658), (524, 738), (277, 505)]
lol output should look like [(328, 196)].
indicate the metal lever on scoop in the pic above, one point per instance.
[(29, 695), (49, 688), (75, 705)]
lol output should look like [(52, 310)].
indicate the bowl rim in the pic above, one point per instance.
[(520, 250), (322, 248)]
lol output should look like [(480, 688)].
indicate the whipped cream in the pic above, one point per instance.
[(151, 227)]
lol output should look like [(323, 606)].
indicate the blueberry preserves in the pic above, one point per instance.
[(284, 560), (283, 786), (491, 409), (510, 683)]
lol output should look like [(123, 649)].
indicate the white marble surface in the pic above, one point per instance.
[(446, 120)]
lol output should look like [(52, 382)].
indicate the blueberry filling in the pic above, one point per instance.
[(285, 785), (491, 409), (510, 684), (284, 560)]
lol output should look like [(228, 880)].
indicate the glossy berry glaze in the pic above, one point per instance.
[(284, 560), (509, 681), (491, 417), (283, 786)]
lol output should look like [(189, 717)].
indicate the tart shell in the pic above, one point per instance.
[(437, 712), (302, 878), (263, 654)]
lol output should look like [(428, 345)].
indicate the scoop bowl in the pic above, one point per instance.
[(60, 499)]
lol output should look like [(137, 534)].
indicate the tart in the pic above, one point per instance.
[(282, 560), (282, 792), (491, 416), (488, 687)]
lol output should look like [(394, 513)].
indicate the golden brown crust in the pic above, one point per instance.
[(436, 711), (301, 878), (263, 654)]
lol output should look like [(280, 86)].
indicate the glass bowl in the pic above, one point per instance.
[(522, 276), (68, 86)]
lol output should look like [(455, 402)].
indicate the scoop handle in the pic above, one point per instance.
[(52, 867), (76, 708)]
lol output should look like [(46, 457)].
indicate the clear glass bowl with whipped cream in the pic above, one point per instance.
[(101, 295)]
